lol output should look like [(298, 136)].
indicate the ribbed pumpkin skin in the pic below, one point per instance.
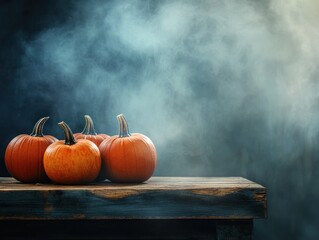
[(97, 139), (24, 157), (89, 132), (128, 159), (78, 163)]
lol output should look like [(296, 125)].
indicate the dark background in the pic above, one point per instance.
[(223, 88)]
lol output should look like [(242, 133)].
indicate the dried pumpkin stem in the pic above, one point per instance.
[(89, 126), (124, 131), (69, 138), (38, 128)]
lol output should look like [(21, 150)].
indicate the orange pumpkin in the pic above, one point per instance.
[(24, 155), (70, 161), (128, 157), (89, 132)]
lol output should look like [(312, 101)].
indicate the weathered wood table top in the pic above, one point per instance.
[(158, 198)]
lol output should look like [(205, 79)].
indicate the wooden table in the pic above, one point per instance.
[(161, 208)]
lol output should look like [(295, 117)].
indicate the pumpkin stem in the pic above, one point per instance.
[(69, 138), (89, 126), (38, 128), (124, 132)]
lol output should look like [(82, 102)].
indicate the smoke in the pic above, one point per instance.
[(222, 88)]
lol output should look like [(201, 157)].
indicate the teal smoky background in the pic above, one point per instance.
[(223, 88)]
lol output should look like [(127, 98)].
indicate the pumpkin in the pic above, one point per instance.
[(24, 155), (128, 157), (72, 162), (89, 132)]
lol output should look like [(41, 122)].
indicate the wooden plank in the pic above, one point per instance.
[(158, 198), (174, 183)]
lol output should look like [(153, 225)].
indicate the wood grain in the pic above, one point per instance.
[(158, 198)]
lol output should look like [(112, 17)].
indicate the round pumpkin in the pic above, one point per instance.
[(128, 157), (24, 155), (89, 132), (70, 161)]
